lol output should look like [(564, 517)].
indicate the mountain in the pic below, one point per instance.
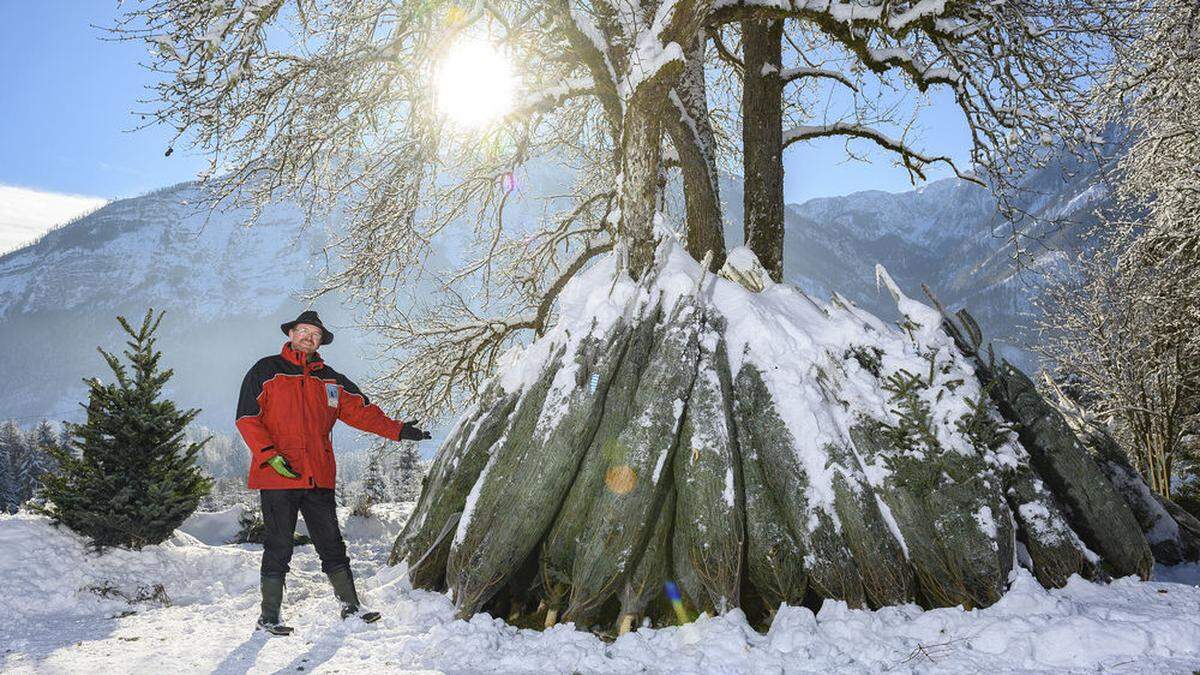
[(946, 234), (26, 213), (226, 288)]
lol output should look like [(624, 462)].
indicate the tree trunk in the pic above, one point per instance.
[(641, 156), (691, 132), (762, 143)]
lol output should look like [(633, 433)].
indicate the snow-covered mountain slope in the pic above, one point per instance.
[(64, 610), (226, 288)]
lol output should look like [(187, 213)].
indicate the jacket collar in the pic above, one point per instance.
[(296, 356)]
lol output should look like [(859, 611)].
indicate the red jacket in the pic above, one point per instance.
[(288, 406)]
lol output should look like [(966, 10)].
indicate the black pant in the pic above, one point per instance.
[(279, 508)]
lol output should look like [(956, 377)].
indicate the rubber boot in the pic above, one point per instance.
[(343, 588), (272, 598)]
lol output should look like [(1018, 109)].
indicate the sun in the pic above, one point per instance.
[(475, 84)]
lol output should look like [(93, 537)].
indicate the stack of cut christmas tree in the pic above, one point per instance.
[(751, 448)]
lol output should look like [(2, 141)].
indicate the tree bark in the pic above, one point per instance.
[(691, 133), (762, 142), (641, 155)]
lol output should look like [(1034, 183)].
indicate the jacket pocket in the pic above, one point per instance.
[(294, 454)]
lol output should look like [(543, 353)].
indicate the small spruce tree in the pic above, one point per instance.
[(12, 458), (373, 489), (43, 441), (411, 473), (128, 477)]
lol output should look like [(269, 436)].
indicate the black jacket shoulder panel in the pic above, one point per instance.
[(328, 373), (262, 370)]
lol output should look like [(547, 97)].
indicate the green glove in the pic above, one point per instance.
[(281, 466)]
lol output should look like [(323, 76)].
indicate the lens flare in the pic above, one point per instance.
[(475, 84), (676, 600)]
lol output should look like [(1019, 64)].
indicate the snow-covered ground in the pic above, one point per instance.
[(51, 623)]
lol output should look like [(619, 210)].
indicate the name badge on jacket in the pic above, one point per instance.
[(331, 394)]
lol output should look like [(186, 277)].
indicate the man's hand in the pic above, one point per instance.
[(411, 432), (281, 466)]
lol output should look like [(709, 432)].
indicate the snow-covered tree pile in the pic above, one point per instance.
[(755, 448)]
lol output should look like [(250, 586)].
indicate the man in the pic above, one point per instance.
[(287, 407)]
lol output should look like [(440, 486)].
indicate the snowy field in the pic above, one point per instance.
[(51, 623)]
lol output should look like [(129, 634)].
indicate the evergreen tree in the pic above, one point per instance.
[(410, 472), (374, 488), (128, 477), (42, 441), (11, 457)]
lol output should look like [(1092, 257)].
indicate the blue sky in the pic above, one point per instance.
[(69, 95), (68, 102)]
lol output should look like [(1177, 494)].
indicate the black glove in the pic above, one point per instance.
[(411, 432)]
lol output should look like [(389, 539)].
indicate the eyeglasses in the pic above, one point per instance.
[(306, 332)]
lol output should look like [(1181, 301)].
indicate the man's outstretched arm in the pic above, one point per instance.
[(355, 409)]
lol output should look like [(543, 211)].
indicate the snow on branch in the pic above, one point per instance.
[(912, 159), (792, 74), (923, 75), (552, 96)]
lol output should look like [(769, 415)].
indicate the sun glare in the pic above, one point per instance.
[(475, 84)]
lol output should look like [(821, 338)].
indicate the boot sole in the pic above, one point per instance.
[(367, 617), (282, 631)]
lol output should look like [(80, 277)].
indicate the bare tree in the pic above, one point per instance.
[(1118, 355), (334, 105), (1017, 71), (1123, 329)]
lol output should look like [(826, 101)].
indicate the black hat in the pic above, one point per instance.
[(309, 317)]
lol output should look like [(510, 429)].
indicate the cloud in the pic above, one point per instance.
[(26, 214)]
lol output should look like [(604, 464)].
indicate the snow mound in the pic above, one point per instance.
[(50, 571), (214, 527)]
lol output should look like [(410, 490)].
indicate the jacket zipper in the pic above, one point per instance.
[(308, 459)]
